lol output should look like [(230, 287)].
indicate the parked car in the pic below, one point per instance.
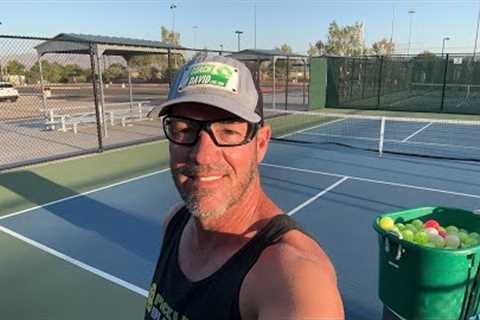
[(8, 92)]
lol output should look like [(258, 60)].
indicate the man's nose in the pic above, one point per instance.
[(205, 150)]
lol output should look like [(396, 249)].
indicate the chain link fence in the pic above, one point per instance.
[(421, 83), (78, 94), (61, 98)]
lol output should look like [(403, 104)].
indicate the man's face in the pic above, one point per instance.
[(212, 179)]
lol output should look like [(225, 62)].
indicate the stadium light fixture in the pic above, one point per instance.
[(443, 44), (238, 33)]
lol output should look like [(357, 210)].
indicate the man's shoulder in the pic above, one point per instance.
[(295, 273), (295, 249)]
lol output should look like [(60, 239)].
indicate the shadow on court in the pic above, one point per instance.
[(123, 228)]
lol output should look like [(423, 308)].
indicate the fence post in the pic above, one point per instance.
[(380, 75), (304, 60), (286, 85), (363, 77), (95, 97), (444, 82), (169, 62), (352, 71)]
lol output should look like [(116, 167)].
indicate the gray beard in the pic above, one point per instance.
[(192, 200)]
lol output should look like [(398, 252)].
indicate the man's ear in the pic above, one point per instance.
[(263, 138)]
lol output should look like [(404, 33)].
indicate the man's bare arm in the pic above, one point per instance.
[(291, 286)]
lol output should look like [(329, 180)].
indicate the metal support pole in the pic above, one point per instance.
[(42, 87), (258, 72), (476, 36), (444, 82), (95, 98), (274, 98), (364, 75), (304, 79), (102, 96), (380, 75), (130, 88), (352, 74), (169, 67), (286, 85)]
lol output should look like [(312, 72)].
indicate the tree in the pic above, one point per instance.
[(312, 50), (15, 68), (73, 73), (343, 40), (155, 66), (281, 65), (52, 72), (427, 68), (115, 72), (383, 47)]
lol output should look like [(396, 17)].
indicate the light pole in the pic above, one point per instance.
[(476, 35), (393, 23), (1, 71), (173, 6), (410, 12), (443, 44), (255, 26), (195, 36), (238, 32)]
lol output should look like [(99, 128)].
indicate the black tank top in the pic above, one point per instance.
[(173, 297)]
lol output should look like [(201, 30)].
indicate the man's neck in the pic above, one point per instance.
[(238, 224)]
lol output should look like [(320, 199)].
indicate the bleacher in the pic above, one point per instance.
[(115, 114)]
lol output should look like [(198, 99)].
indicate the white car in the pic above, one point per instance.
[(8, 92)]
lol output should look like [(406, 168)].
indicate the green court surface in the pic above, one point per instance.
[(22, 188), (37, 285), (46, 286)]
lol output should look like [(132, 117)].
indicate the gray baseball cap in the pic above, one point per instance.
[(217, 81)]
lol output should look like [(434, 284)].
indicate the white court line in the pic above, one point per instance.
[(467, 195), (82, 194), (391, 140), (340, 136), (76, 262), (310, 128), (306, 203), (417, 132)]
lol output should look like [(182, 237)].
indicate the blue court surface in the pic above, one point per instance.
[(334, 192)]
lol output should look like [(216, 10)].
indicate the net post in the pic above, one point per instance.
[(444, 83), (382, 135)]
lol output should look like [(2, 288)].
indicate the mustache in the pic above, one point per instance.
[(192, 170)]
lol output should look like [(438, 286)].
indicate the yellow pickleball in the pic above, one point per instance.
[(386, 223)]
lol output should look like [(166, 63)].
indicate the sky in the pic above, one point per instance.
[(211, 23)]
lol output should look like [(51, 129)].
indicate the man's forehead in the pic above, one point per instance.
[(199, 110)]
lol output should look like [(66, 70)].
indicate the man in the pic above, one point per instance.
[(228, 252)]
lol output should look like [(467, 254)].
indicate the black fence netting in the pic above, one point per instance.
[(421, 83)]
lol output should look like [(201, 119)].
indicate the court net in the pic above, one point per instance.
[(433, 138)]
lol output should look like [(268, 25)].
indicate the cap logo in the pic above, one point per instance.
[(210, 75)]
